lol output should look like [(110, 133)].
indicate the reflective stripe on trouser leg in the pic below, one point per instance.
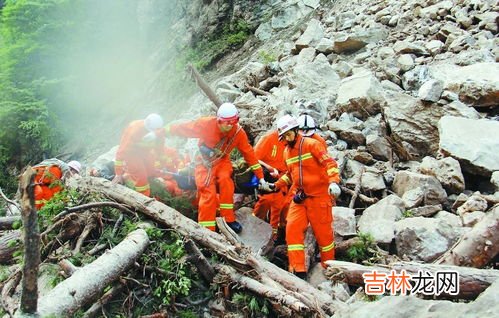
[(320, 215), (145, 189), (208, 202), (222, 173), (297, 223), (137, 173)]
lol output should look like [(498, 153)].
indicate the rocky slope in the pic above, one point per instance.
[(406, 93)]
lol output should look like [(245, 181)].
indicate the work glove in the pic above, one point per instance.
[(266, 186), (334, 189)]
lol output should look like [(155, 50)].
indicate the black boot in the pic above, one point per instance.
[(302, 275), (235, 226)]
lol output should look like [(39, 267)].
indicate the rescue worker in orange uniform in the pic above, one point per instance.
[(50, 177), (213, 172), (269, 151), (308, 129), (139, 149), (314, 177), (172, 165)]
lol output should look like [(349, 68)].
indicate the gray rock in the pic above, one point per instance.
[(406, 181), (447, 171), (379, 219), (423, 239), (379, 147), (344, 221), (431, 91), (472, 142), (494, 179)]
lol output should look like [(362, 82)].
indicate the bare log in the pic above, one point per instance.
[(205, 87), (198, 259), (7, 222), (9, 243), (477, 247), (361, 196), (263, 290), (93, 205), (29, 295), (87, 283), (472, 281), (257, 91)]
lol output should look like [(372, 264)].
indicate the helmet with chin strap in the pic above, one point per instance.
[(227, 113), (286, 123), (307, 124)]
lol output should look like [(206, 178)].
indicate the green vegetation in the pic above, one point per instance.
[(408, 214), (251, 306), (4, 273), (58, 66), (362, 250), (207, 51), (266, 57)]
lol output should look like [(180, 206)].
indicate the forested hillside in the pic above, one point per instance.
[(74, 71)]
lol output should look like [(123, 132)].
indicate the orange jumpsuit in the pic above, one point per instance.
[(48, 180), (270, 149), (318, 170), (216, 174), (136, 159)]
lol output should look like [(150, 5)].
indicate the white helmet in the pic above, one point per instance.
[(153, 122), (286, 123), (227, 112), (75, 165), (307, 124)]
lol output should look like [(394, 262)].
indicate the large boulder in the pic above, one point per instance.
[(424, 239), (476, 84), (360, 94), (379, 219), (446, 170), (414, 121), (474, 143), (407, 184)]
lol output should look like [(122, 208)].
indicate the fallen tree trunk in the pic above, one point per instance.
[(88, 282), (7, 222), (472, 281), (9, 243), (205, 88), (278, 296), (240, 257), (477, 247), (198, 259)]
